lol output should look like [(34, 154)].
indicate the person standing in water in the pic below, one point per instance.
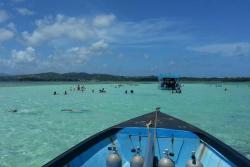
[(82, 88)]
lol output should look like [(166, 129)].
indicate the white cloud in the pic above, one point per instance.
[(103, 20), (120, 56), (78, 55), (25, 11), (21, 60), (104, 65), (99, 45), (24, 56), (105, 27), (5, 35), (143, 32), (3, 15), (61, 26), (171, 63), (146, 56), (11, 26), (4, 62), (224, 49), (66, 57), (74, 40)]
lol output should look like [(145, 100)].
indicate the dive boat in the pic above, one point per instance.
[(169, 82), (151, 140)]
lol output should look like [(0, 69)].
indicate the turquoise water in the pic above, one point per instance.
[(39, 131)]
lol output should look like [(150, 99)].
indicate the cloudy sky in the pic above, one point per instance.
[(126, 37)]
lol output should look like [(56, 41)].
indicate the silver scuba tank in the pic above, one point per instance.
[(193, 162), (113, 159), (137, 159), (166, 161)]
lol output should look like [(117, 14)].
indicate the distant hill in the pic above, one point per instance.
[(3, 74), (51, 76), (74, 77), (216, 79)]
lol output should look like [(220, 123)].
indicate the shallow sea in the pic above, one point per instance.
[(40, 130)]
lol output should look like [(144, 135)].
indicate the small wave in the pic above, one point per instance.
[(25, 111), (21, 111), (75, 110)]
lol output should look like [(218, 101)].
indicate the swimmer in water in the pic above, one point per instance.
[(65, 92), (15, 110), (132, 91), (54, 93), (126, 92), (102, 90)]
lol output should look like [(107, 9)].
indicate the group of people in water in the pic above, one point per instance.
[(82, 89), (77, 88), (102, 90), (131, 91), (219, 85), (177, 90)]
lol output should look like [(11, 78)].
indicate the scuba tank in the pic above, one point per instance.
[(113, 159), (193, 162), (166, 161), (137, 159)]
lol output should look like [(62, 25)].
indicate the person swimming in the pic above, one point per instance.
[(126, 92), (82, 88), (65, 92), (102, 90), (93, 90), (54, 93), (178, 90), (132, 91), (14, 110)]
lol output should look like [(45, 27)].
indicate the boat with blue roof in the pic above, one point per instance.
[(169, 82)]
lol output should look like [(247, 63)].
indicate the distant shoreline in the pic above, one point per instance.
[(85, 77)]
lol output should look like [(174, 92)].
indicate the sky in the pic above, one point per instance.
[(200, 38)]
